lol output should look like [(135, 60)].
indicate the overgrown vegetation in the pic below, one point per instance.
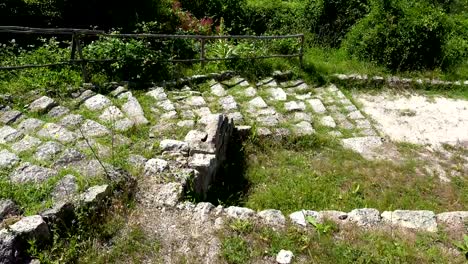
[(246, 242)]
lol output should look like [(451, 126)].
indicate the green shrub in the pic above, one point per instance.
[(407, 35)]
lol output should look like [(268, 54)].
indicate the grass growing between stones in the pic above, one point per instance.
[(245, 242), (317, 174)]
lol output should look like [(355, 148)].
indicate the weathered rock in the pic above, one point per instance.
[(31, 228), (317, 106), (118, 91), (453, 220), (301, 116), (196, 101), (28, 172), (48, 151), (169, 194), (137, 161), (284, 257), (111, 114), (66, 188), (8, 208), (9, 134), (228, 103), (272, 217), (8, 160), (250, 92), (419, 220), (303, 128), (10, 117), (91, 128), (196, 136), (335, 216), (97, 102), (258, 102), (42, 104), (203, 111), (263, 131), (355, 115), (277, 94), (58, 111), (9, 247), (69, 156), (363, 145), (124, 124), (26, 144), (174, 146), (328, 121), (268, 120), (30, 125), (169, 115), (153, 167), (366, 217), (206, 166), (166, 105), (95, 195), (71, 121), (236, 117), (294, 106), (56, 132), (300, 217), (218, 90), (62, 213), (158, 94), (186, 123), (134, 111), (240, 212)]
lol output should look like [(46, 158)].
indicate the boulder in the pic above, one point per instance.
[(418, 220)]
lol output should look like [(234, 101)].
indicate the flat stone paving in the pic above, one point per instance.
[(53, 132)]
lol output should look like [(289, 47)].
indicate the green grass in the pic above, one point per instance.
[(320, 175), (338, 245)]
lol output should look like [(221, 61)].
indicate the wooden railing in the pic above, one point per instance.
[(78, 34)]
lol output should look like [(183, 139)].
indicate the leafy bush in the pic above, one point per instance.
[(406, 35)]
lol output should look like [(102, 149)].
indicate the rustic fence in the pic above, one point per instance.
[(78, 34)]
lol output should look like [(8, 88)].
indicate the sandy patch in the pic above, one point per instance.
[(418, 119)]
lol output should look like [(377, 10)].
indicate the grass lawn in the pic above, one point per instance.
[(319, 175)]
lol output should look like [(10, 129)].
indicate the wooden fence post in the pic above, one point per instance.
[(202, 52), (83, 61)]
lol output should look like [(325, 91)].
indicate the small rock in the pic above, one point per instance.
[(419, 220), (9, 134), (28, 172), (118, 91), (10, 117), (166, 105), (294, 106), (134, 111), (258, 102), (65, 188), (272, 217), (196, 136), (48, 151), (174, 146), (218, 90), (186, 123), (300, 217), (263, 131), (112, 113), (228, 103), (26, 144), (169, 194), (269, 120), (137, 160), (30, 125), (250, 92), (236, 117), (91, 128), (158, 94), (240, 212), (97, 102), (362, 145), (8, 160), (277, 94), (366, 217), (123, 125), (355, 115), (72, 121), (317, 106), (95, 194), (31, 228), (284, 257), (42, 104), (303, 128), (57, 132), (453, 220), (196, 101), (69, 156), (155, 166), (203, 111), (169, 115), (58, 111), (301, 116), (328, 122), (8, 208)]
